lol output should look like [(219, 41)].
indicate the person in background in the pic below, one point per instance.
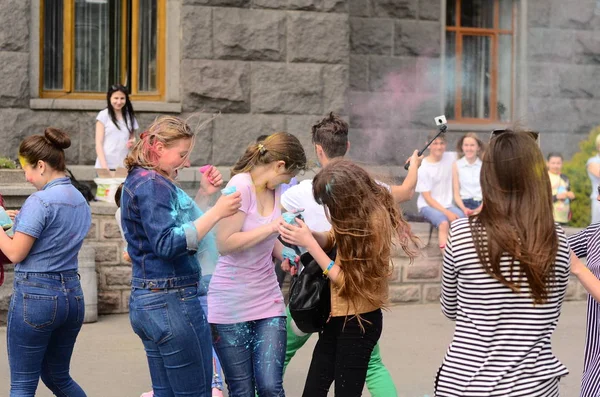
[(115, 129), (593, 170), (47, 308), (465, 174), (435, 188), (561, 189), (118, 194)]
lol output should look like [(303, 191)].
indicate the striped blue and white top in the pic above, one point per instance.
[(501, 344), (586, 243)]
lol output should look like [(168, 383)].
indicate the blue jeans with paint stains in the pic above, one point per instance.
[(252, 354), (176, 337)]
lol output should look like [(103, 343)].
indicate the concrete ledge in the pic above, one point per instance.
[(97, 104)]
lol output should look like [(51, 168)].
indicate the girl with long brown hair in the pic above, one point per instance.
[(505, 275), (246, 308), (365, 222)]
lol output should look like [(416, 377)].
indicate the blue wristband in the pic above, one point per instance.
[(326, 271)]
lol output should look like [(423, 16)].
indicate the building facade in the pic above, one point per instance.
[(390, 66)]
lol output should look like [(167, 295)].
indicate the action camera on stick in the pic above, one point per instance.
[(440, 121)]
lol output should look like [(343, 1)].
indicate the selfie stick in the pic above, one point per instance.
[(441, 123)]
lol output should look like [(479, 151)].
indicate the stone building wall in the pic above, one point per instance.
[(563, 70), (395, 78), (270, 65)]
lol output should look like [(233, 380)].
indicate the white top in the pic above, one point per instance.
[(501, 344), (468, 179), (437, 179), (115, 140), (301, 196)]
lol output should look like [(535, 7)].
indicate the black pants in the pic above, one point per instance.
[(342, 354)]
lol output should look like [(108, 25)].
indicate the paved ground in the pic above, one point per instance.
[(109, 359)]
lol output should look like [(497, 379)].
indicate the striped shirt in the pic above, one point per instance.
[(501, 344), (586, 243)]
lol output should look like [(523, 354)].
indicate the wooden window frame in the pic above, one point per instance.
[(494, 33), (68, 69)]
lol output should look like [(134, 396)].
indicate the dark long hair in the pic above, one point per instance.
[(128, 113), (516, 218)]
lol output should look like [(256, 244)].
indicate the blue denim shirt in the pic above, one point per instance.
[(59, 218), (162, 240)]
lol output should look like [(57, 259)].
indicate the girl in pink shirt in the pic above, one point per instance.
[(246, 308)]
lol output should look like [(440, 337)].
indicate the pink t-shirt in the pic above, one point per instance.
[(244, 285)]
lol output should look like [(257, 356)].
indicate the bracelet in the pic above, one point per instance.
[(326, 271)]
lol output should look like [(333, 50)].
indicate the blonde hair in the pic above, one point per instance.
[(166, 130), (598, 141), (279, 146)]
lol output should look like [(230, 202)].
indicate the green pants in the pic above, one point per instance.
[(379, 381)]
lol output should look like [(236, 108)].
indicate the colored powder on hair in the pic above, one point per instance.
[(22, 161)]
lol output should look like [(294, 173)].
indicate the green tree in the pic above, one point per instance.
[(575, 169)]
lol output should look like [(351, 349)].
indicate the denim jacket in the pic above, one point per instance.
[(162, 241), (59, 218)]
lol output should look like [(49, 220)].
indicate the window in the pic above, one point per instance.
[(480, 60), (87, 45)]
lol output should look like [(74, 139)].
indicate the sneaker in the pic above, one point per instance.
[(217, 392), (148, 394)]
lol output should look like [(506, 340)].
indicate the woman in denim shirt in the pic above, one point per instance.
[(164, 230), (46, 310)]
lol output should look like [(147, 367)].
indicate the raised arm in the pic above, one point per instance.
[(406, 191)]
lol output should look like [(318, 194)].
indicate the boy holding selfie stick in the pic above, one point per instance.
[(435, 185)]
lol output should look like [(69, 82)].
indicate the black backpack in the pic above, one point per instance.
[(310, 295), (84, 189)]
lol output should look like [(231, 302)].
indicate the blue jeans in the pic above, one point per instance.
[(217, 380), (435, 217), (176, 337), (45, 316), (252, 355)]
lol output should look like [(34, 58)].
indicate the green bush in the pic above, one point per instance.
[(5, 162), (576, 170)]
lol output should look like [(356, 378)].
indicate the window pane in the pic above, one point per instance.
[(450, 12), (506, 7), (505, 63), (147, 45), (450, 75), (97, 44), (53, 45), (477, 13), (476, 77)]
